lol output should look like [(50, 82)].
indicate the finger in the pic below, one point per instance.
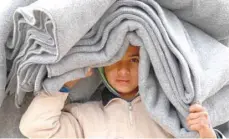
[(200, 126), (196, 108), (195, 127), (192, 116), (71, 83), (89, 72), (75, 81), (197, 121)]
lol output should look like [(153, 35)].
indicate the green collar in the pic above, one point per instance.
[(104, 79)]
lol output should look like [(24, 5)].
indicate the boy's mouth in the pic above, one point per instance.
[(122, 81)]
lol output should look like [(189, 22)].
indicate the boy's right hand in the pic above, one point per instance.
[(71, 83)]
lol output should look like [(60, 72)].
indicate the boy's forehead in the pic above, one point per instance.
[(132, 51)]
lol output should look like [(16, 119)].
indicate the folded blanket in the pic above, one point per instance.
[(180, 64), (43, 33), (210, 16), (7, 9), (184, 70)]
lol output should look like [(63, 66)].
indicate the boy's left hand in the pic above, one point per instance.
[(198, 120)]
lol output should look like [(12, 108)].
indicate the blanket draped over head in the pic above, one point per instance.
[(184, 54)]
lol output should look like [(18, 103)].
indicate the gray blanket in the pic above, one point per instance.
[(42, 36), (7, 9), (211, 15), (180, 63)]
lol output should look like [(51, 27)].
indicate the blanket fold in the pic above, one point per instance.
[(43, 35), (6, 26), (181, 61), (210, 16)]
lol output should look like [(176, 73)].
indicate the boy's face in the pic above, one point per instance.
[(123, 75)]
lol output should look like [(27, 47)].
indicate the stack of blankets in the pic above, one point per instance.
[(184, 54)]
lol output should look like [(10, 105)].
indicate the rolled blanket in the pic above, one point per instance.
[(7, 9), (43, 33), (179, 63)]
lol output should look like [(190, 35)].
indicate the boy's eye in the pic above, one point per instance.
[(135, 60)]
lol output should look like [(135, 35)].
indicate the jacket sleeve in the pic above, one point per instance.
[(44, 118), (219, 134)]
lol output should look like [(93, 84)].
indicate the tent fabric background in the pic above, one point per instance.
[(198, 76)]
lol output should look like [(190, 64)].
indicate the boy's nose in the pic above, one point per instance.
[(123, 69)]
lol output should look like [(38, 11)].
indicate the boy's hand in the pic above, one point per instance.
[(70, 84), (199, 121)]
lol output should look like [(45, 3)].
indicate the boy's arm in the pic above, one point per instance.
[(44, 118)]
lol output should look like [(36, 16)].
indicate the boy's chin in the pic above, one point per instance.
[(124, 90)]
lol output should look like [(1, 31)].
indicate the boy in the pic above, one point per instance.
[(120, 113)]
